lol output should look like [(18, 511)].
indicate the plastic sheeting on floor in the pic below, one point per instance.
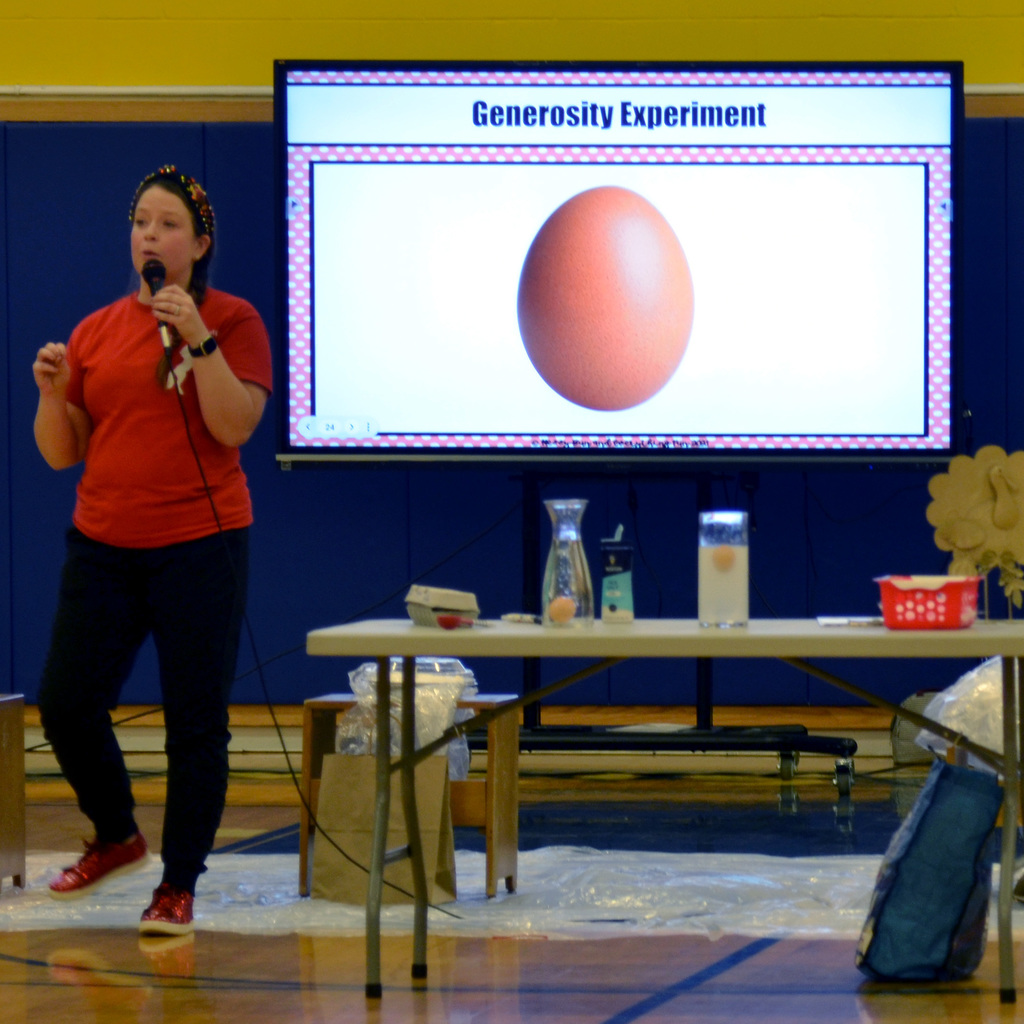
[(564, 892)]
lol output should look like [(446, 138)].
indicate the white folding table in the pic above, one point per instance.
[(603, 645)]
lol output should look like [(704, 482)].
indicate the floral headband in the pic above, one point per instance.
[(195, 194)]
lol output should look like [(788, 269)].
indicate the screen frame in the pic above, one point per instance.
[(570, 458)]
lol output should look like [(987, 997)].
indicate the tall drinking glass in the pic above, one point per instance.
[(723, 569)]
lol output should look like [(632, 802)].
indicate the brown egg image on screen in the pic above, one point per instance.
[(606, 300)]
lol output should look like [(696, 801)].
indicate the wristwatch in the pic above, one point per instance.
[(204, 348)]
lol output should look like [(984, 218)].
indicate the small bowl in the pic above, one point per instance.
[(929, 602)]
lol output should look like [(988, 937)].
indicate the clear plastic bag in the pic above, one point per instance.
[(440, 684), (973, 706)]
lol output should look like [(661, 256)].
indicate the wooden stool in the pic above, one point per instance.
[(491, 803), (12, 788)]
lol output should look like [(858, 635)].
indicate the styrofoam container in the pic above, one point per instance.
[(929, 602), (425, 604)]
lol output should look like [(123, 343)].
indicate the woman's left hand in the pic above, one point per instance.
[(176, 307)]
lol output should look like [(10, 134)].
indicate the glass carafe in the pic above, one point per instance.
[(568, 596)]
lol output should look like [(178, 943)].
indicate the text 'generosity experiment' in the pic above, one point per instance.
[(596, 115)]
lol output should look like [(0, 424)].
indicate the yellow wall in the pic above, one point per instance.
[(234, 42)]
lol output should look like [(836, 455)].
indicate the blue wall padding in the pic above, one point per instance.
[(340, 541)]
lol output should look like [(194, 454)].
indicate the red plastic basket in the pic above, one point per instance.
[(929, 602)]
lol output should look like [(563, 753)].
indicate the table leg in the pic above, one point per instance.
[(1011, 805), (502, 801), (318, 738), (305, 798), (412, 820), (382, 811), (12, 789)]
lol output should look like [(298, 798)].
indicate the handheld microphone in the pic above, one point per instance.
[(154, 274)]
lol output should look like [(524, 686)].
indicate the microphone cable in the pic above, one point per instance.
[(154, 274), (314, 821), (259, 664)]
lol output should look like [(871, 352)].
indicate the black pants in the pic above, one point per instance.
[(191, 598)]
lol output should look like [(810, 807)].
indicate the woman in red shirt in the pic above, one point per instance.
[(155, 393)]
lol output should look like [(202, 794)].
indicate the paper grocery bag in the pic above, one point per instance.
[(345, 811)]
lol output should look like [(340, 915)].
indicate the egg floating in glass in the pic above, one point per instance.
[(606, 300)]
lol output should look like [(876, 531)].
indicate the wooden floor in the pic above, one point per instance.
[(106, 976)]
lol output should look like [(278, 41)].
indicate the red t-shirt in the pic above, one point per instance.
[(141, 487)]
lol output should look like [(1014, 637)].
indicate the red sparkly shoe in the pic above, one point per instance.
[(101, 861), (170, 913)]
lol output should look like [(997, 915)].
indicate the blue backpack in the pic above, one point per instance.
[(928, 915)]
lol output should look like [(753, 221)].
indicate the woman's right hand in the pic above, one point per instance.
[(61, 430), (51, 370)]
